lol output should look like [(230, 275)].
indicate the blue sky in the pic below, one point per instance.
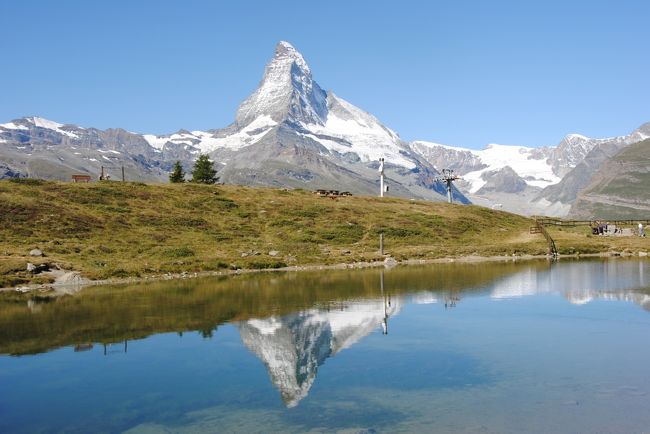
[(464, 73)]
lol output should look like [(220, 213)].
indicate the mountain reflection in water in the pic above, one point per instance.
[(581, 282), (293, 346)]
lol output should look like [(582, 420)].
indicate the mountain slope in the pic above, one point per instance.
[(620, 188), (561, 196)]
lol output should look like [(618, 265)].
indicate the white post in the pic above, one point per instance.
[(381, 177)]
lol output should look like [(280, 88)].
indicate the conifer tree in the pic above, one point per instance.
[(204, 171), (177, 175)]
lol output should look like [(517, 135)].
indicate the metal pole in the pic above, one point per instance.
[(381, 177), (123, 174), (381, 243)]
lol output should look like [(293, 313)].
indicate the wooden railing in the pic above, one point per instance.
[(550, 221), (540, 222), (539, 228)]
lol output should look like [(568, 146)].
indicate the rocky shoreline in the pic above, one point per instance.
[(70, 282)]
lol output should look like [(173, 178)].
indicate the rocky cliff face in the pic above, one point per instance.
[(503, 180)]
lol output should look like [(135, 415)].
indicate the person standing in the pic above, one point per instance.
[(641, 234)]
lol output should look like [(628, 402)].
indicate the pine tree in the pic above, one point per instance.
[(177, 174), (204, 171)]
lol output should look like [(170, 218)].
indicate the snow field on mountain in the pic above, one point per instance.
[(368, 138), (12, 126), (41, 123), (537, 172), (206, 142)]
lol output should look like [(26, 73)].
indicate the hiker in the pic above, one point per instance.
[(641, 234)]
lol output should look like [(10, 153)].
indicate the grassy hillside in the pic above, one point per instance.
[(620, 188), (115, 229)]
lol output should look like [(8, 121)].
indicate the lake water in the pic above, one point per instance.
[(534, 347)]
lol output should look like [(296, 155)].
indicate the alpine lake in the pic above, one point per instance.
[(489, 347)]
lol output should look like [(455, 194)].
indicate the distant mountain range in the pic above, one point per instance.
[(544, 180), (292, 133)]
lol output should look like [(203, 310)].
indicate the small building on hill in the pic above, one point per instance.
[(81, 178)]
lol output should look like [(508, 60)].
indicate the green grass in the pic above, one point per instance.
[(117, 229), (634, 185)]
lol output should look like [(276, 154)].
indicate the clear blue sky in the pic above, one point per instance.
[(465, 73)]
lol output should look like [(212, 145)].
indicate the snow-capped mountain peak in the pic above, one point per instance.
[(289, 95), (287, 51), (576, 136), (287, 92)]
